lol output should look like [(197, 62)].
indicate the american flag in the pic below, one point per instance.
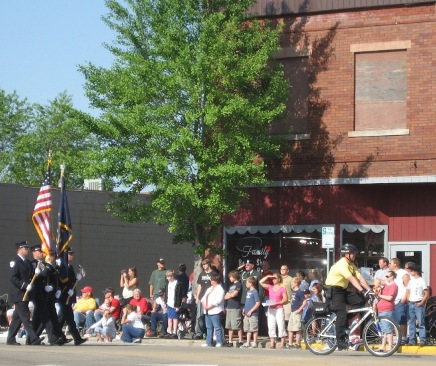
[(41, 213)]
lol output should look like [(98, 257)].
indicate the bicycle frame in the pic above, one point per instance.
[(369, 312)]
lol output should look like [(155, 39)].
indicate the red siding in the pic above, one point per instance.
[(409, 210)]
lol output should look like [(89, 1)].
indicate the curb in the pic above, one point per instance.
[(262, 343)]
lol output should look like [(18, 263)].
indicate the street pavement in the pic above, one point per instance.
[(188, 352)]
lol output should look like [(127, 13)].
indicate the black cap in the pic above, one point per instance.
[(70, 250), (415, 267), (108, 290), (182, 267), (161, 261), (249, 261), (36, 248), (22, 244)]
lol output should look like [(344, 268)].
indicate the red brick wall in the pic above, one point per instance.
[(330, 152)]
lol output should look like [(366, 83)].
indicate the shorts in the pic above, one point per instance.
[(294, 324), (233, 319), (288, 311), (400, 313), (386, 327), (251, 324), (172, 313)]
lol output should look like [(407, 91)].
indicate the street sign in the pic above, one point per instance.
[(328, 237)]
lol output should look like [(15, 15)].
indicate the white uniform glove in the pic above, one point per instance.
[(70, 292), (58, 294), (48, 288), (79, 277), (29, 287), (58, 262), (37, 271)]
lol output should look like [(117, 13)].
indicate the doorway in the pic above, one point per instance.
[(418, 253)]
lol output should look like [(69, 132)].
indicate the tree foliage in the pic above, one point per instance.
[(187, 107), (28, 132)]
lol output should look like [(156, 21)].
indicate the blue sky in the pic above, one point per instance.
[(43, 41)]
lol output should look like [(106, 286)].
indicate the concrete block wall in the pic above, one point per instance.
[(103, 244)]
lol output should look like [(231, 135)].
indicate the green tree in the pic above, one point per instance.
[(39, 129), (15, 116), (186, 109)]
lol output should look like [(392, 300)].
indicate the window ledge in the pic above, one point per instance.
[(376, 133), (299, 136)]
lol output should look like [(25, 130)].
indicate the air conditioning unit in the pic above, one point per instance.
[(93, 184)]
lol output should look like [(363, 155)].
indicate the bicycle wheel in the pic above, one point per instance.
[(320, 335), (373, 335)]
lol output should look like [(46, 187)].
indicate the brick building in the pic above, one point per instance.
[(360, 128)]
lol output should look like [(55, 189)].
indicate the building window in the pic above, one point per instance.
[(298, 246), (295, 123), (371, 240), (380, 89)]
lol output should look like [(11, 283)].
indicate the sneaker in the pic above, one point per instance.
[(288, 346), (228, 344), (253, 345), (296, 347), (197, 336), (218, 345), (245, 345), (205, 345), (137, 340), (239, 344)]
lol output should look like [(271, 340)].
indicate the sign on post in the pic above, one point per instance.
[(328, 237)]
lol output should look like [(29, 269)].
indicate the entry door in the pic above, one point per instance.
[(412, 252)]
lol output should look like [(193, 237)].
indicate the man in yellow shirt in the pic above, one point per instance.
[(84, 308), (341, 274)]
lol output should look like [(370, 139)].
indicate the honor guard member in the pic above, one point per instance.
[(42, 291), (66, 297), (341, 274), (246, 270), (20, 275)]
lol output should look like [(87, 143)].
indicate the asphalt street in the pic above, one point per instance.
[(172, 354)]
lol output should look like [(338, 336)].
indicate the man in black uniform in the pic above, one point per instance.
[(44, 315), (66, 297), (21, 272)]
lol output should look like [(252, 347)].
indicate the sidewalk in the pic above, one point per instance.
[(262, 342)]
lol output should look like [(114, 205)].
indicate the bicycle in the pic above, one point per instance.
[(320, 332)]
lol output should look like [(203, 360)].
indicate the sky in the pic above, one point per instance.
[(42, 42)]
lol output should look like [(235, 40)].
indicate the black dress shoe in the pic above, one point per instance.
[(36, 342), (67, 340), (13, 343), (57, 342), (80, 341), (342, 346)]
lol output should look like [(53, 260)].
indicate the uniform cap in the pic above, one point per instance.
[(22, 244), (36, 248)]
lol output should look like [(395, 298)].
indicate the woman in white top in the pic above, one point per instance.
[(213, 306), (105, 327), (128, 282), (133, 328)]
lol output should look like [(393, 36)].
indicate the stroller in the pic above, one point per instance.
[(185, 323), (430, 321)]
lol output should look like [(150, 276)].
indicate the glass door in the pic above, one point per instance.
[(418, 253)]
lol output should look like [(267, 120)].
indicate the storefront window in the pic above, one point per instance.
[(300, 250), (369, 239)]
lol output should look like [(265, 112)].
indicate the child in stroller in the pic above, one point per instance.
[(185, 322)]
